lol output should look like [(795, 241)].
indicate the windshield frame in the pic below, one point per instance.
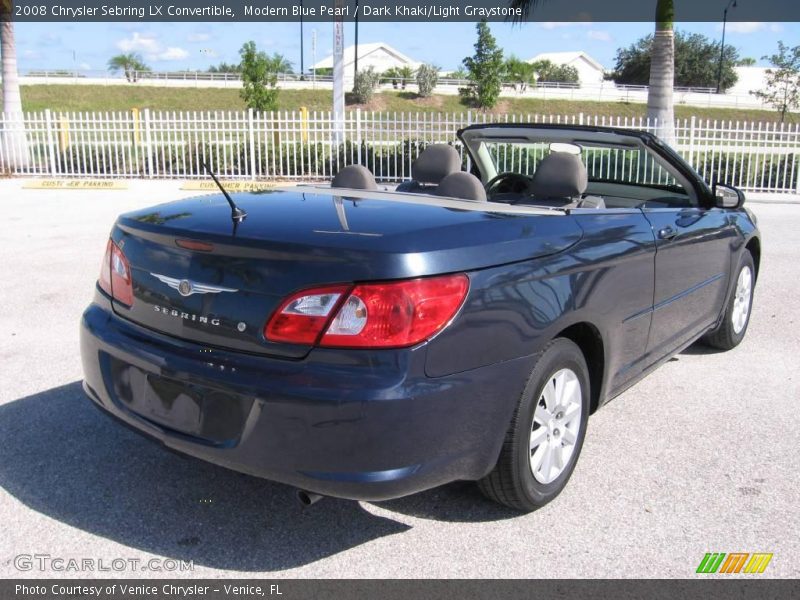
[(473, 137)]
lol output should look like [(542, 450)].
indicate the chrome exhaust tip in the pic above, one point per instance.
[(306, 499)]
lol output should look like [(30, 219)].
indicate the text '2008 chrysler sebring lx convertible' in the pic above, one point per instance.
[(369, 343)]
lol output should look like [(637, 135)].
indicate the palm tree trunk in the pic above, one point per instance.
[(660, 110), (13, 132)]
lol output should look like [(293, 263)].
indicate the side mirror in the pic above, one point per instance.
[(727, 196)]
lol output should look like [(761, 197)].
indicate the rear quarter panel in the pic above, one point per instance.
[(514, 310)]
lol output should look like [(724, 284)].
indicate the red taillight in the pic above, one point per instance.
[(115, 275), (301, 318), (105, 270), (374, 315)]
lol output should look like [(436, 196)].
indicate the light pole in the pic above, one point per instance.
[(731, 4), (355, 62), (314, 58), (302, 70)]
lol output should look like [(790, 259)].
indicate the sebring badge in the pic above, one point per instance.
[(187, 287), (171, 312)]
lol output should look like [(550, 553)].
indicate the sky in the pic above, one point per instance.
[(195, 46)]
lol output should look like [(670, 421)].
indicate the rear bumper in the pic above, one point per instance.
[(363, 425)]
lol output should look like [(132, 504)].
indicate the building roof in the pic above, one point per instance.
[(566, 58), (364, 50)]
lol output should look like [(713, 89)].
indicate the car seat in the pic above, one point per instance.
[(560, 181), (462, 185), (433, 164), (355, 177)]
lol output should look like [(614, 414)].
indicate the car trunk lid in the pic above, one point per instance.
[(197, 278)]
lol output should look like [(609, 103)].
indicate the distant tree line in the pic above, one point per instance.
[(259, 72), (696, 62), (224, 67)]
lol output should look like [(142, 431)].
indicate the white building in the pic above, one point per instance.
[(750, 80), (379, 56), (589, 70)]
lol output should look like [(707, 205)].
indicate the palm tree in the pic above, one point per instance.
[(660, 108), (406, 74), (130, 64), (278, 63), (662, 66), (14, 126)]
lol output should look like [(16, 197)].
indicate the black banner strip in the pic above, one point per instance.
[(712, 588), (395, 11)]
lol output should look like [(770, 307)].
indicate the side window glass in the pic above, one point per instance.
[(632, 172), (636, 168)]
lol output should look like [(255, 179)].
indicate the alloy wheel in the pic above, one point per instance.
[(741, 299), (556, 424)]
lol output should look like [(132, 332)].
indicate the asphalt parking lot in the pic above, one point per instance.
[(702, 456)]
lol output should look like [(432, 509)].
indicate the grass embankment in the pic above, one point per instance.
[(119, 97)]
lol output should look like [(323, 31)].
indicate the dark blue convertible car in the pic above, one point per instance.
[(368, 343)]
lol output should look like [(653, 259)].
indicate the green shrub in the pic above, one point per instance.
[(427, 78), (364, 86), (91, 159)]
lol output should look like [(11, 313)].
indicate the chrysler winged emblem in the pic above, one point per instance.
[(187, 287)]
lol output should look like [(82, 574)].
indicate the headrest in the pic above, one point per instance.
[(462, 185), (559, 175), (435, 163), (355, 177)]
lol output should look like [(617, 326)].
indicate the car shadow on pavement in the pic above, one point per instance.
[(458, 502), (698, 349), (63, 458)]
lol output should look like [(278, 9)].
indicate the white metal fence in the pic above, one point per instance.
[(56, 76), (604, 91), (303, 145), (607, 91)]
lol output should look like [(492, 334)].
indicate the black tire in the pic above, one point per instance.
[(512, 481), (725, 336)]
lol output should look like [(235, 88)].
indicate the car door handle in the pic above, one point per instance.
[(667, 233)]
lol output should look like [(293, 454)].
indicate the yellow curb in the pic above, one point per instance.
[(75, 184), (231, 186)]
